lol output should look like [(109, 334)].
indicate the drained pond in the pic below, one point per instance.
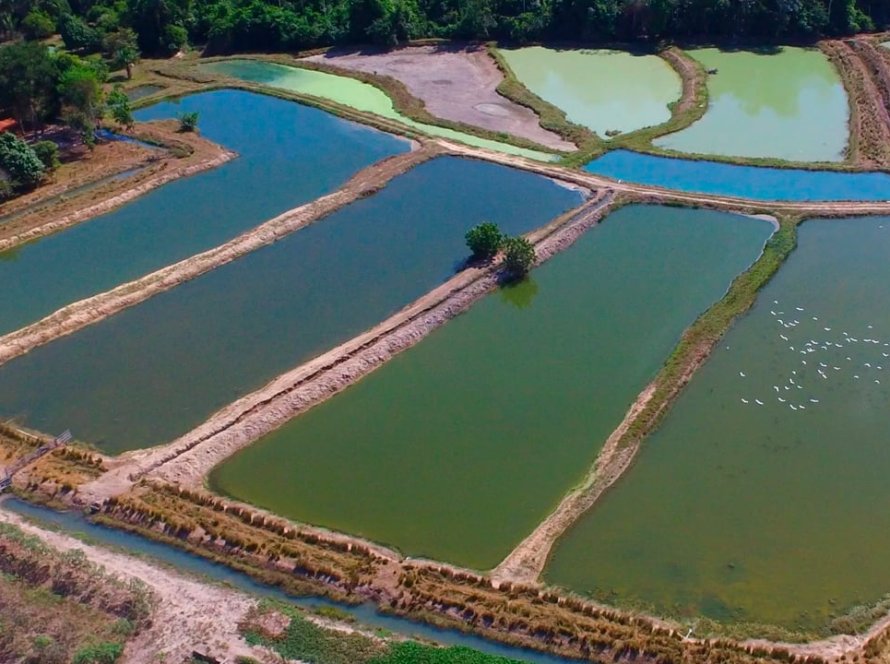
[(606, 91), (787, 103), (350, 92), (288, 154), (763, 497), (458, 447), (159, 368)]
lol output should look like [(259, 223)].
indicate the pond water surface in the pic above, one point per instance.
[(710, 177), (458, 447), (777, 512), (353, 93), (159, 368), (787, 104), (601, 89), (288, 155)]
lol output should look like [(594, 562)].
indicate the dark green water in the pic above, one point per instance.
[(458, 447), (155, 370), (743, 512), (288, 155)]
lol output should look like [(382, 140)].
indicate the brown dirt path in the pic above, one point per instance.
[(454, 82), (91, 310)]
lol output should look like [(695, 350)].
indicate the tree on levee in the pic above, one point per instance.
[(81, 96), (519, 256), (188, 121), (484, 240)]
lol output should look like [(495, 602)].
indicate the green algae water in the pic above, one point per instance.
[(604, 90), (458, 447), (788, 104), (774, 513), (288, 155), (353, 93), (155, 370)]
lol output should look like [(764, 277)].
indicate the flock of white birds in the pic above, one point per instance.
[(825, 353)]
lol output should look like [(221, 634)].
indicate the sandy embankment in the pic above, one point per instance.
[(457, 83), (91, 310), (188, 459)]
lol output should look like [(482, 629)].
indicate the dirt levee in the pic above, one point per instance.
[(455, 83)]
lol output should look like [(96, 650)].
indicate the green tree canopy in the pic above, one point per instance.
[(27, 82), (21, 162), (484, 240), (81, 96), (122, 50), (519, 256)]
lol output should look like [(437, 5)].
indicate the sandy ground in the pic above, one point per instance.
[(455, 83), (188, 615), (187, 460), (91, 310)]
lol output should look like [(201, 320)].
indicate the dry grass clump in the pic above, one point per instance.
[(58, 607), (55, 474), (301, 560), (869, 142)]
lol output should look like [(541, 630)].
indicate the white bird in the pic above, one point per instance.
[(815, 318), (827, 329), (868, 365), (783, 337), (836, 368), (877, 381), (803, 361), (856, 377), (793, 407), (742, 374), (799, 308), (758, 402), (869, 327), (814, 401), (744, 401), (802, 407), (781, 400), (776, 388)]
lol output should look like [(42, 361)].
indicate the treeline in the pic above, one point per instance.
[(161, 27)]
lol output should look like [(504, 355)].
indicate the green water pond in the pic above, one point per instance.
[(601, 89), (353, 93), (775, 513), (154, 371), (785, 104), (458, 447)]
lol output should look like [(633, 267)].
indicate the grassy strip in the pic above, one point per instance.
[(304, 640), (551, 117), (698, 341), (691, 106)]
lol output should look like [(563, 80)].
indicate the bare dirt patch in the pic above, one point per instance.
[(455, 83)]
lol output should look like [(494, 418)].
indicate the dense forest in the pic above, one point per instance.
[(163, 26)]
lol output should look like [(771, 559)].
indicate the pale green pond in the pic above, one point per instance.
[(456, 448), (789, 105), (600, 89), (353, 93), (775, 513)]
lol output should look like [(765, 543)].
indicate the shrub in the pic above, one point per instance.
[(519, 255), (20, 161), (38, 25), (48, 153), (188, 121), (100, 653), (484, 240), (78, 35)]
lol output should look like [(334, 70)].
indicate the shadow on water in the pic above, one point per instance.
[(520, 294), (75, 524)]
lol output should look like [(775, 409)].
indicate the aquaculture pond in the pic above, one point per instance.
[(350, 92), (601, 89), (458, 447), (710, 177), (764, 495), (787, 103), (288, 154), (157, 369)]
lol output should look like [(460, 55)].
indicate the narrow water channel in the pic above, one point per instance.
[(76, 525)]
